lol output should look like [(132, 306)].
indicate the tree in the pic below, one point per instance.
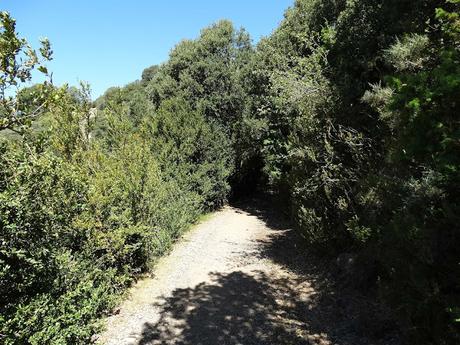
[(149, 73), (17, 61)]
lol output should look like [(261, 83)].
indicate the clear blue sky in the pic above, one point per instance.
[(109, 42)]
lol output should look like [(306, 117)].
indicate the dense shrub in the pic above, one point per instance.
[(357, 102), (81, 217), (93, 199)]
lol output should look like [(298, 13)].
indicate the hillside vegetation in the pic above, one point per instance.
[(348, 112)]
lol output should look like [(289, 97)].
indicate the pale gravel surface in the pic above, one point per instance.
[(220, 285)]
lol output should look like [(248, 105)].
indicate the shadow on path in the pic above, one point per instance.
[(264, 307), (237, 308)]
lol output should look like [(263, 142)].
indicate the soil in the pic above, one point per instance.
[(240, 277)]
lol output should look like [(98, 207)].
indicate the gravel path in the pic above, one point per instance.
[(224, 283)]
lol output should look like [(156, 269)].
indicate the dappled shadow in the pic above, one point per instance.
[(350, 312), (283, 245), (236, 308), (298, 301), (267, 208)]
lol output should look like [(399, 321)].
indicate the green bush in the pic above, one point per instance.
[(50, 291), (361, 135), (83, 214)]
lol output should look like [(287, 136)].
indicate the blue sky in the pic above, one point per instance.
[(109, 42)]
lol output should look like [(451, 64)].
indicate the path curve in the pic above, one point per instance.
[(222, 284)]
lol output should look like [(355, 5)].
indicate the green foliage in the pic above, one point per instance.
[(348, 111), (209, 73), (408, 53), (44, 278), (193, 151), (372, 169), (149, 73), (94, 199), (423, 158), (205, 72), (17, 61)]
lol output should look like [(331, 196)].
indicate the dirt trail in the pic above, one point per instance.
[(233, 280)]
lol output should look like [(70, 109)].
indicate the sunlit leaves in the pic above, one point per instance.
[(17, 61)]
